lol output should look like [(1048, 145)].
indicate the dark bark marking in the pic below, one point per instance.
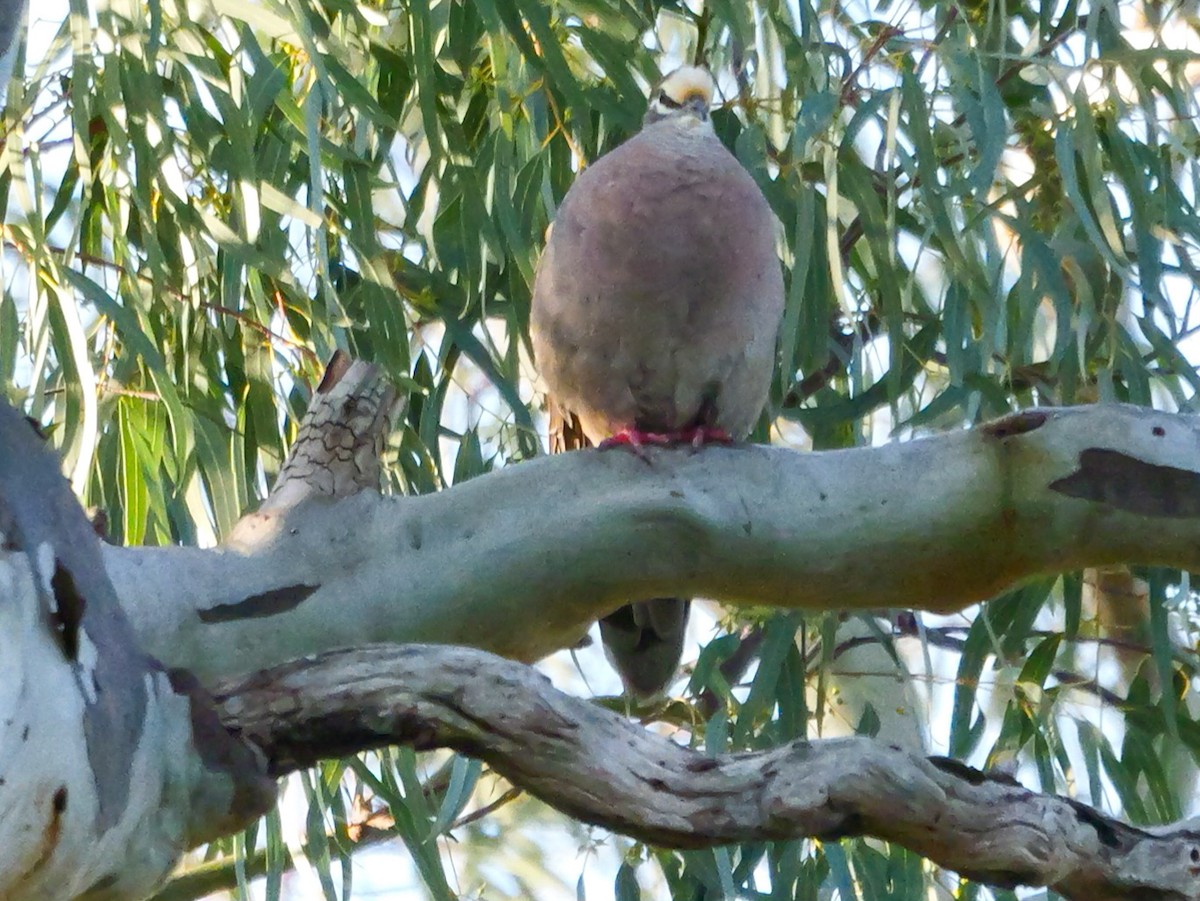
[(267, 603), (1016, 424), (337, 367), (52, 832), (1133, 485), (1108, 832), (68, 610), (960, 770), (38, 510), (221, 751)]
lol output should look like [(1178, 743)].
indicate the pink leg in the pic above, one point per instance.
[(637, 439), (700, 435), (696, 436)]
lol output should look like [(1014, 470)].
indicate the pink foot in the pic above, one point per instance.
[(636, 439), (700, 435)]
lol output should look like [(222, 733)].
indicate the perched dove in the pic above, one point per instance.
[(656, 309)]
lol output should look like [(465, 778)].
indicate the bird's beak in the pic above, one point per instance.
[(697, 106)]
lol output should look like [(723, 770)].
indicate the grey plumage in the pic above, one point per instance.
[(656, 307)]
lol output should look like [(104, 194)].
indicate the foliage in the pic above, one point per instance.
[(984, 206)]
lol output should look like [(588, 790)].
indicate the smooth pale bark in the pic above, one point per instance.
[(601, 768), (521, 561), (110, 767)]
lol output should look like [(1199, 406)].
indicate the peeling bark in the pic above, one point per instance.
[(1127, 483)]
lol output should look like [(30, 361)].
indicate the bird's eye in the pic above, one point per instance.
[(668, 101)]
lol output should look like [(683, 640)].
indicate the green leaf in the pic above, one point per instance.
[(626, 887), (464, 776)]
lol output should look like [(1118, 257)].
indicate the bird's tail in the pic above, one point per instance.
[(644, 642)]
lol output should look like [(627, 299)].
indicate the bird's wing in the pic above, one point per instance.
[(566, 434)]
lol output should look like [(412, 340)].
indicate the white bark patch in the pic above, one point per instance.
[(85, 661), (46, 564), (52, 843)]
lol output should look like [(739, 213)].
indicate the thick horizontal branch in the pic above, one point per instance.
[(521, 561), (598, 767)]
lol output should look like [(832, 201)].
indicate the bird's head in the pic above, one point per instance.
[(688, 91)]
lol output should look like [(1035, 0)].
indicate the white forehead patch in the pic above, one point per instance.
[(687, 82)]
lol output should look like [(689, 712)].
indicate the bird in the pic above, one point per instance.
[(654, 318)]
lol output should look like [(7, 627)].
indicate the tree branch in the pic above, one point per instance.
[(110, 767), (521, 561), (598, 767)]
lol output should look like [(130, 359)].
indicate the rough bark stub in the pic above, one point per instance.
[(337, 448), (1127, 483)]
